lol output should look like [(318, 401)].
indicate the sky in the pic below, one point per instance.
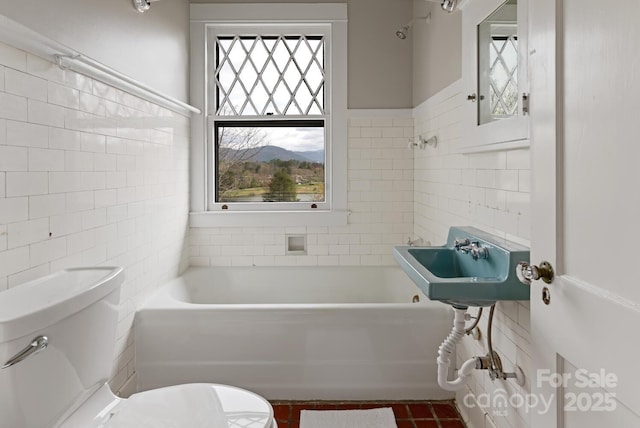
[(296, 139), (300, 139)]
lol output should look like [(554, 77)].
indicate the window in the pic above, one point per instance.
[(269, 135), (271, 81), (269, 161)]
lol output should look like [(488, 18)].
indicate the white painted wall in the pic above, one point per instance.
[(152, 47), (379, 64), (437, 50)]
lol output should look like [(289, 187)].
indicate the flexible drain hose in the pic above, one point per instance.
[(445, 351)]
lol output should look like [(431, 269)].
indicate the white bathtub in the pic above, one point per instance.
[(296, 333)]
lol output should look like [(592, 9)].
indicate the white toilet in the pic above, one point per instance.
[(57, 339)]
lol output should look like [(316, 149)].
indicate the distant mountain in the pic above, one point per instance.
[(315, 155), (268, 153)]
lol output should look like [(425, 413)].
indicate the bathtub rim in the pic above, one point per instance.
[(163, 298)]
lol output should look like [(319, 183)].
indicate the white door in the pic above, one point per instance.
[(585, 129)]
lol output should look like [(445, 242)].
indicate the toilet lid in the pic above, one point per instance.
[(192, 406)]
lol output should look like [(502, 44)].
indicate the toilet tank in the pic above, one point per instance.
[(77, 311)]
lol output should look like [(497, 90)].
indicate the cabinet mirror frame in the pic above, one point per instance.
[(504, 133)]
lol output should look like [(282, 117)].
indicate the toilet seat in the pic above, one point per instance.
[(182, 406)]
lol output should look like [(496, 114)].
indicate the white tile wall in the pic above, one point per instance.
[(489, 191), (83, 180), (89, 175), (380, 200)]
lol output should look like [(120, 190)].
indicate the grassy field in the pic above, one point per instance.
[(301, 189)]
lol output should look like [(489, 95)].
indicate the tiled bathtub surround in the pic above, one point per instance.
[(380, 198), (89, 175), (490, 191)]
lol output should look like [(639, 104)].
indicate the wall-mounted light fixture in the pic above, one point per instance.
[(142, 5), (449, 5), (446, 5)]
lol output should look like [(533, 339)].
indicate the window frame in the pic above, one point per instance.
[(205, 212), (262, 29), (249, 121)]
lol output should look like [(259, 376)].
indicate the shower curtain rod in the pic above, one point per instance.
[(88, 66)]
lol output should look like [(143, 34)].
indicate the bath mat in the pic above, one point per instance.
[(370, 418)]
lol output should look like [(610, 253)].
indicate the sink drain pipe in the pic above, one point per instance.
[(446, 350)]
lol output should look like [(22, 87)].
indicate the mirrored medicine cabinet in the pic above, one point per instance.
[(494, 75)]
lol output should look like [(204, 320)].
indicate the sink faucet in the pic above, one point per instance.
[(461, 242), (471, 247)]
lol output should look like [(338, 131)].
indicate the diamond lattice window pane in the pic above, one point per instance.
[(510, 97), (281, 96), (259, 55), (270, 75), (304, 55), (305, 98), (260, 98), (237, 56), (510, 54), (315, 76), (226, 75), (499, 76), (249, 109), (314, 109), (237, 97), (293, 77), (248, 76), (269, 43), (504, 76), (281, 56)]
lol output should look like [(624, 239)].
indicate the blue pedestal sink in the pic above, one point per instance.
[(473, 268)]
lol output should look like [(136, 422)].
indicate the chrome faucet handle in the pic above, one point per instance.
[(414, 242), (478, 252), (459, 243)]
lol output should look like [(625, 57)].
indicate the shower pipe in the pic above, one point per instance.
[(495, 371), (496, 364)]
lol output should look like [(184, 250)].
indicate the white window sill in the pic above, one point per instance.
[(268, 218)]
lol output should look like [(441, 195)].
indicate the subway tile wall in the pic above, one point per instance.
[(380, 201), (489, 191), (89, 175)]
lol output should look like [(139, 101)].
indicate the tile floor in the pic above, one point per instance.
[(409, 414)]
